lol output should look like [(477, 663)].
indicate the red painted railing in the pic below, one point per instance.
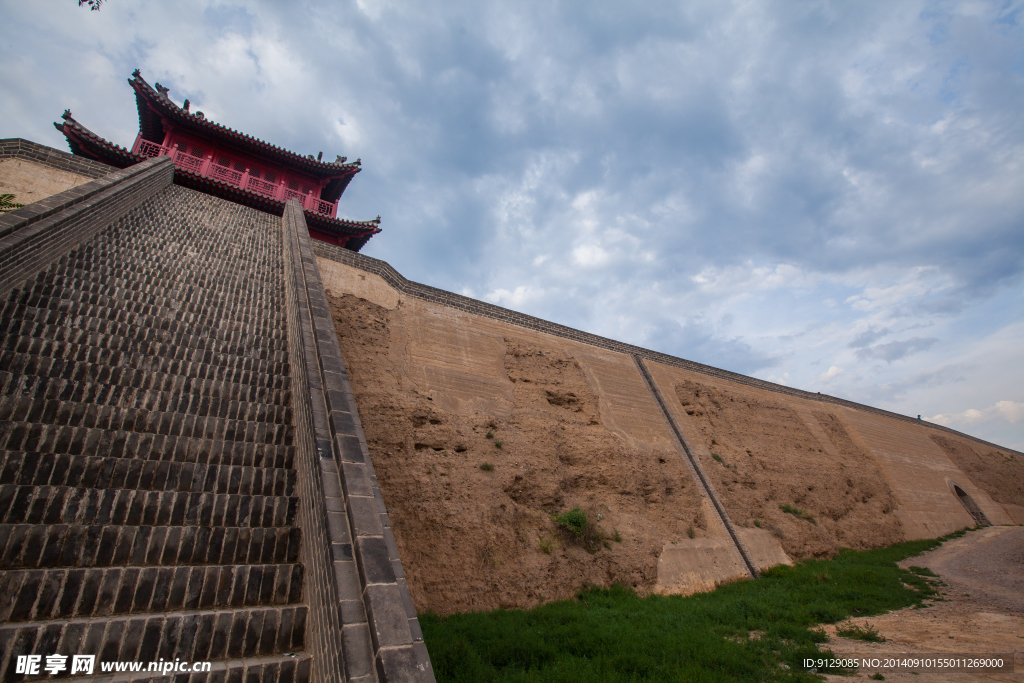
[(204, 166)]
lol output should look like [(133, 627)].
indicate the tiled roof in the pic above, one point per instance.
[(95, 147), (164, 106), (84, 142)]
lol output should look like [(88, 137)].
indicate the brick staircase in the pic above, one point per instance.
[(148, 504)]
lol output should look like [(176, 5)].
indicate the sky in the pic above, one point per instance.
[(827, 195)]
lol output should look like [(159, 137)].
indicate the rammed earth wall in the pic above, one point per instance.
[(463, 303)]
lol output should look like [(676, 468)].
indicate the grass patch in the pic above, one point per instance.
[(486, 466), (613, 635), (868, 633), (578, 527), (717, 457), (499, 444), (797, 512)]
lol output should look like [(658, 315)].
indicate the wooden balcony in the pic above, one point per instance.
[(205, 166)]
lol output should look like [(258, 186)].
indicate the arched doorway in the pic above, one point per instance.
[(972, 508)]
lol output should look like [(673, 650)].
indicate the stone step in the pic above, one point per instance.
[(88, 293), (32, 546), (81, 506), (101, 394), (97, 472), (40, 438), (174, 282), (174, 376), (41, 594), (87, 347), (192, 636), (62, 287), (25, 409), (81, 323)]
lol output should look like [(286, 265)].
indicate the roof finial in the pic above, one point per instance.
[(319, 156), (341, 160), (359, 162), (200, 115), (136, 74), (66, 115), (186, 105), (162, 90)]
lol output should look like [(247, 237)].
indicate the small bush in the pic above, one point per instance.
[(854, 632), (547, 544), (617, 538), (878, 677), (7, 203), (690, 532), (577, 526), (499, 444), (574, 520), (490, 434), (717, 457), (486, 466), (757, 523)]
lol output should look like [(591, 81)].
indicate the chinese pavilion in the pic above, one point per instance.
[(218, 160)]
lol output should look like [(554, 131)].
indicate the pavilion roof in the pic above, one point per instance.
[(156, 109), (83, 142)]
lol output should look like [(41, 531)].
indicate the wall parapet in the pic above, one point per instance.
[(365, 603), (463, 303), (34, 236), (20, 148)]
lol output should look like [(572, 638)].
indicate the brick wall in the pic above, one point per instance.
[(19, 148), (35, 235)]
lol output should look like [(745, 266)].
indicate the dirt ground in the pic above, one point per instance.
[(767, 458), (983, 610), (474, 537)]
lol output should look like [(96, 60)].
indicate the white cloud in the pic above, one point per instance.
[(829, 375), (516, 299), (1010, 412)]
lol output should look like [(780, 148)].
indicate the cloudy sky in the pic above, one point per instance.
[(828, 195)]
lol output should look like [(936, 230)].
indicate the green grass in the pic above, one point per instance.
[(613, 635), (797, 512), (486, 466), (868, 633)]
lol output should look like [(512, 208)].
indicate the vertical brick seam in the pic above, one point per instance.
[(482, 308), (36, 235), (695, 467), (362, 534)]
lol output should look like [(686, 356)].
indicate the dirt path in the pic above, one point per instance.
[(983, 611)]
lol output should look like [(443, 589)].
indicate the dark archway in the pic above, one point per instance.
[(972, 508)]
